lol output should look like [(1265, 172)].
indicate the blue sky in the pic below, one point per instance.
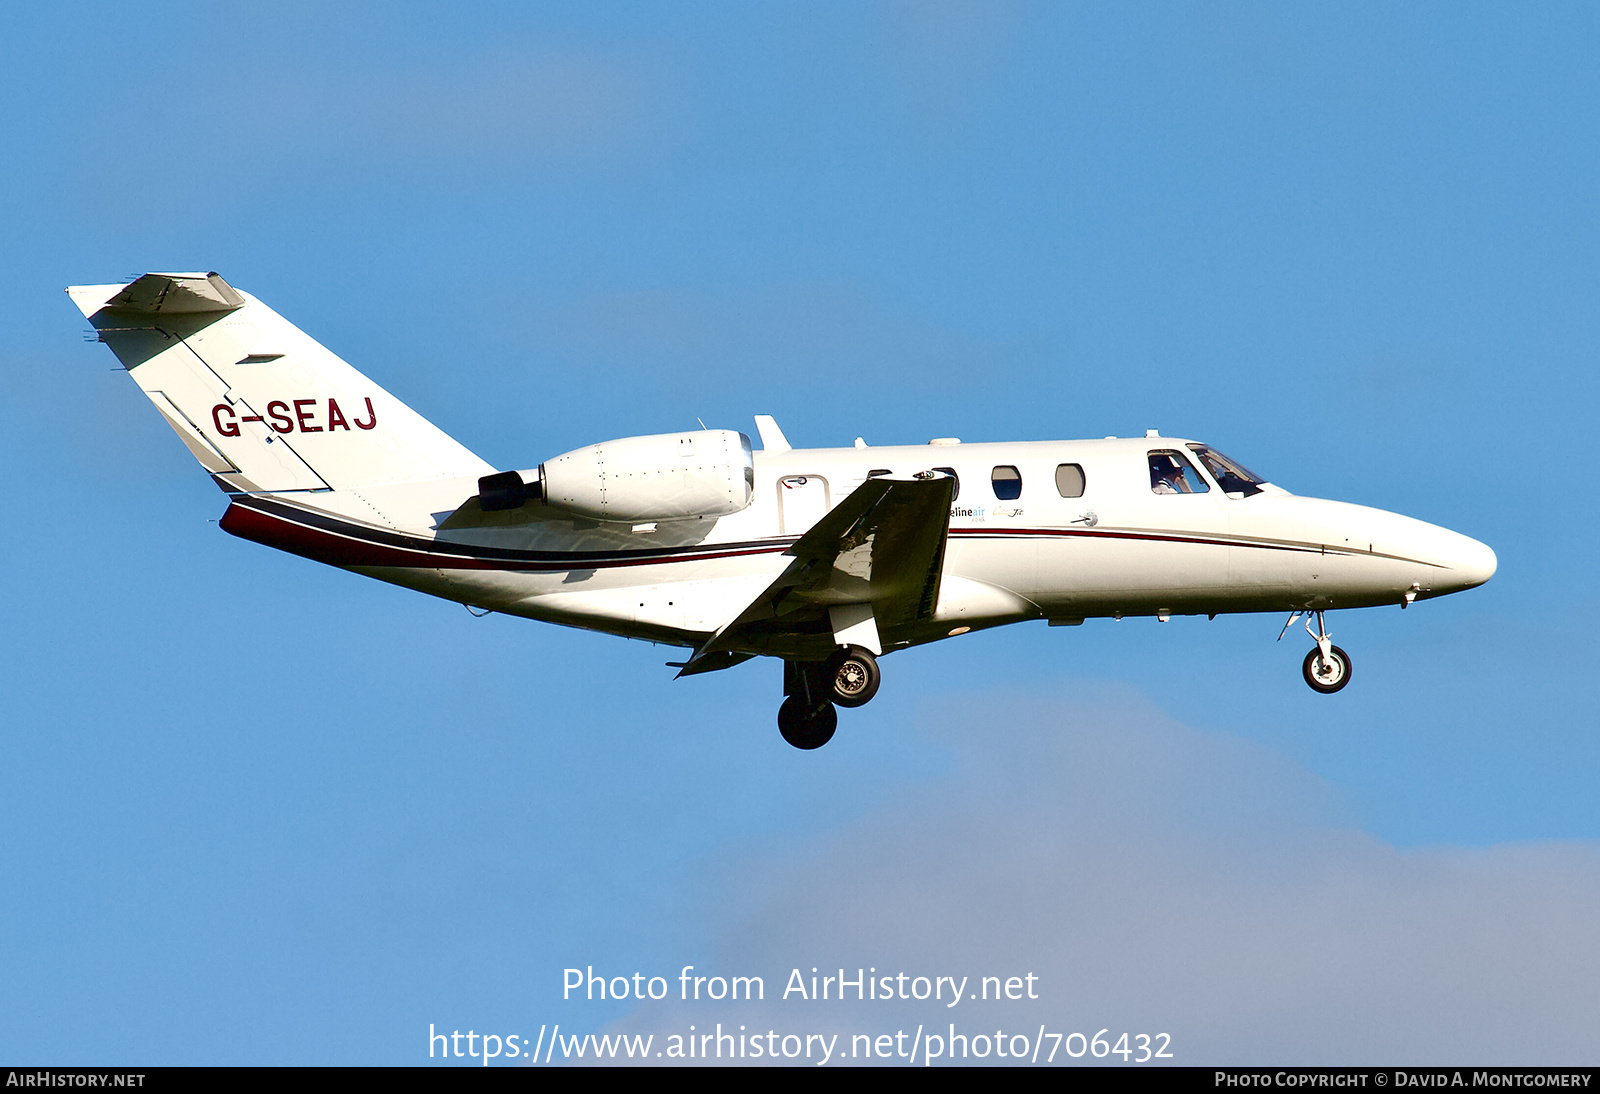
[(254, 810)]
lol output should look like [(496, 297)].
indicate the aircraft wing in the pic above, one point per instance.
[(877, 555)]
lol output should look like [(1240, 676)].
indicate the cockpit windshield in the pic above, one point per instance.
[(1232, 476)]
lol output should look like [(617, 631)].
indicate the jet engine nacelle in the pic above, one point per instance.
[(671, 476), (709, 473)]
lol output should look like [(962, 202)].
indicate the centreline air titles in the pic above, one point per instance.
[(827, 558)]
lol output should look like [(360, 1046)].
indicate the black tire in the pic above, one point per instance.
[(804, 727), (1327, 678), (852, 677)]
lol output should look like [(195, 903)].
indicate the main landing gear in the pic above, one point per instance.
[(805, 724), (1327, 668), (808, 718)]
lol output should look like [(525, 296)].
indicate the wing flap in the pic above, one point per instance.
[(882, 546)]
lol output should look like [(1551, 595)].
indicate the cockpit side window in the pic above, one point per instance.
[(1171, 473), (1232, 476)]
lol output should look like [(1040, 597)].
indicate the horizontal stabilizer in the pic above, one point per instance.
[(177, 294)]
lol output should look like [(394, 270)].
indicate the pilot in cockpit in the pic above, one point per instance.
[(1165, 475)]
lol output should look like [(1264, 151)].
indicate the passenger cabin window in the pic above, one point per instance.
[(955, 486), (1069, 480), (879, 473), (1007, 483), (1232, 476), (1171, 473)]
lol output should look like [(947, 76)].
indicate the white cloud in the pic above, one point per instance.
[(1161, 879)]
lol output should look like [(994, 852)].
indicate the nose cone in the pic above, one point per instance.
[(1408, 555), (1467, 561), (1449, 561)]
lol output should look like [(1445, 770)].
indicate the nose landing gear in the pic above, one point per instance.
[(807, 719), (1327, 668), (1328, 672)]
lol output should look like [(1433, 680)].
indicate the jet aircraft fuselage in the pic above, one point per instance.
[(1113, 548)]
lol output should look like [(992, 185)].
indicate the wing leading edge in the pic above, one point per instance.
[(868, 567)]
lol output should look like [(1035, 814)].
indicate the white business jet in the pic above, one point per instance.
[(827, 558)]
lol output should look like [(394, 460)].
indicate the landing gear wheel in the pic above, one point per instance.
[(807, 727), (852, 676), (1330, 675)]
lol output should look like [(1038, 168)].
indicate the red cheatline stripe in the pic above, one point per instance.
[(346, 550), (352, 545), (1083, 533), (1263, 545)]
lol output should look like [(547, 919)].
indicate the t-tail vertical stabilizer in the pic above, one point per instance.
[(263, 406)]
